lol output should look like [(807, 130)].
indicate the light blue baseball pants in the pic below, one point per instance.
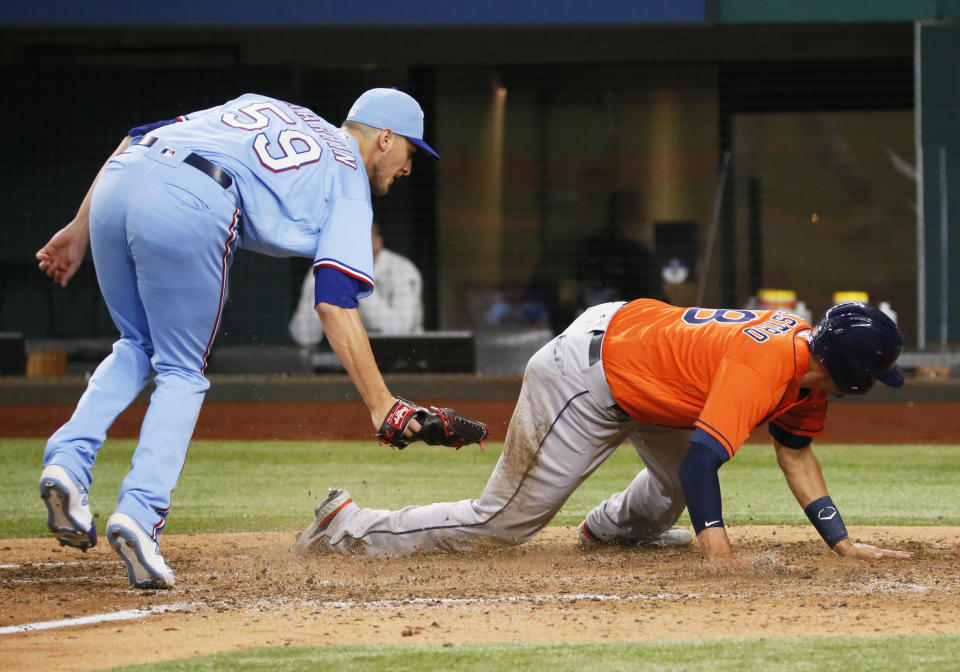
[(162, 236)]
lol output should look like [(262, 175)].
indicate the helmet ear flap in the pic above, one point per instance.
[(829, 351)]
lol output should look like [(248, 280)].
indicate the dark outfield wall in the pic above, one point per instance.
[(316, 409)]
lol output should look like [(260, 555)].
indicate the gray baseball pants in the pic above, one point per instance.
[(564, 426)]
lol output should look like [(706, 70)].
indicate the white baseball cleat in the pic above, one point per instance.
[(68, 508), (145, 565), (335, 501), (675, 536)]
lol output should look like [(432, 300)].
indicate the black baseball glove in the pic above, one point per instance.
[(438, 426)]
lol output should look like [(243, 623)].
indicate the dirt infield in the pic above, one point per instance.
[(246, 590)]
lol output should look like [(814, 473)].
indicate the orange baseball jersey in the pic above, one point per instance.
[(719, 372)]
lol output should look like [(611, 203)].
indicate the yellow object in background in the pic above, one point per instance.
[(46, 364), (846, 297), (781, 299)]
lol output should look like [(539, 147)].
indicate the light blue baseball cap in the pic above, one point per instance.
[(393, 109)]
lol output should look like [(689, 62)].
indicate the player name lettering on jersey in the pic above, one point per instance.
[(341, 152), (780, 323)]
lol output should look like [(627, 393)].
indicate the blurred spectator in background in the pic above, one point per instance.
[(611, 264), (614, 264), (394, 307)]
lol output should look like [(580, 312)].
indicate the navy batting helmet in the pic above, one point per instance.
[(858, 345)]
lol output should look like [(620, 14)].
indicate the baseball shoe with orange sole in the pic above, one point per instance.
[(336, 500)]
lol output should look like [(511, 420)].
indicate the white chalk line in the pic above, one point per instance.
[(94, 619), (380, 604), (131, 614), (27, 565), (52, 579)]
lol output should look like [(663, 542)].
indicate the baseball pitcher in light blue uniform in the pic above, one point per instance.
[(164, 218)]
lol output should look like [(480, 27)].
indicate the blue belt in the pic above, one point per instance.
[(596, 347), (593, 356), (218, 174)]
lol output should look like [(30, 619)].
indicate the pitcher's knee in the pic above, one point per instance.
[(136, 347), (182, 378)]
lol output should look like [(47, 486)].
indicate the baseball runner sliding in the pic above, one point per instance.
[(164, 218), (685, 387)]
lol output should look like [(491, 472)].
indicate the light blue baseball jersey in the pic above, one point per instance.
[(163, 236), (303, 189)]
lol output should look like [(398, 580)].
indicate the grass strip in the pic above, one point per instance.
[(851, 654), (231, 486)]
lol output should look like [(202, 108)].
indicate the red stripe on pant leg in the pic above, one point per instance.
[(332, 514), (159, 526), (223, 284)]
